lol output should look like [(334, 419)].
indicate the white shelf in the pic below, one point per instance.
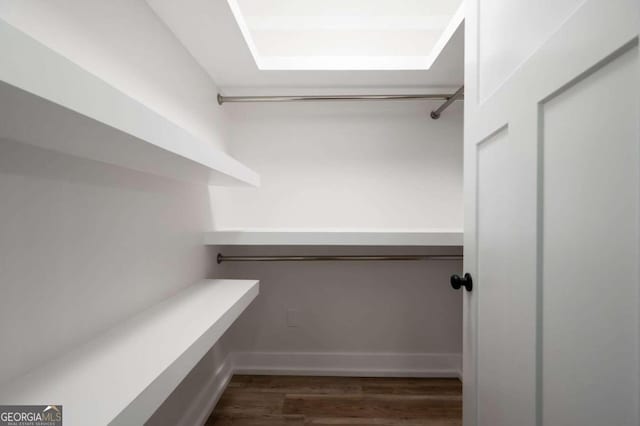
[(283, 237), (124, 375), (48, 101)]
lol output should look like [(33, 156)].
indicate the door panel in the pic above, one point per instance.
[(502, 347), (552, 188), (589, 243)]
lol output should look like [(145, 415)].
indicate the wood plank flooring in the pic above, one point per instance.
[(324, 401)]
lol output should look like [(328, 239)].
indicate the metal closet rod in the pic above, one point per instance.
[(435, 114), (412, 257)]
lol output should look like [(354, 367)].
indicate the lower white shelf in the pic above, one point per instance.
[(322, 237), (124, 375)]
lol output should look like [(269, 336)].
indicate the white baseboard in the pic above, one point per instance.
[(206, 400), (353, 364), (348, 364)]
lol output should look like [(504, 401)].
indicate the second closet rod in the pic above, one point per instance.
[(222, 258), (315, 98), (435, 114)]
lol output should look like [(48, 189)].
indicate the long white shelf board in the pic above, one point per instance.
[(285, 237), (48, 101), (124, 375)]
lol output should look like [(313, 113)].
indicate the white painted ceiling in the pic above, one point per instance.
[(208, 29), (346, 34)]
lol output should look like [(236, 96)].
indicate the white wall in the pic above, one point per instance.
[(85, 245), (345, 165), (123, 42)]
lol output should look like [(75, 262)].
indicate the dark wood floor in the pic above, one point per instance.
[(323, 401)]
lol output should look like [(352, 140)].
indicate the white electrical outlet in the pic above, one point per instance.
[(292, 317)]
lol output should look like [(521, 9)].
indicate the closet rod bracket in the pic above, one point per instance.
[(436, 113)]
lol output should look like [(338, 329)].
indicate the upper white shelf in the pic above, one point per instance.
[(124, 375), (48, 101), (284, 237)]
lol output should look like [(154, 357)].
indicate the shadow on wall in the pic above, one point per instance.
[(354, 307)]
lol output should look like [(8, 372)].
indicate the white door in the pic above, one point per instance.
[(552, 193)]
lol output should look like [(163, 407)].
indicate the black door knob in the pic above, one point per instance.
[(466, 282)]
